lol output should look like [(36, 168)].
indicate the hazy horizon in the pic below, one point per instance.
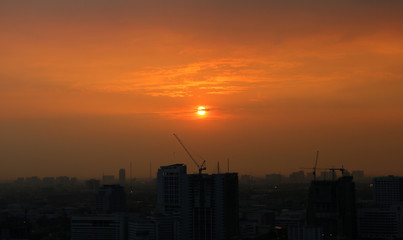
[(86, 87)]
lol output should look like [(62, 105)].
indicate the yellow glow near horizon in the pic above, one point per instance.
[(201, 110)]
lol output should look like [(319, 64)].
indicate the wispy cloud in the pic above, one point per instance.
[(218, 76)]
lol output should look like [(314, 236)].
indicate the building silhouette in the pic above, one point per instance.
[(331, 206), (171, 188), (111, 199), (297, 177), (383, 218), (108, 179), (98, 227), (375, 222), (92, 184), (63, 180), (154, 227), (358, 175), (388, 190), (109, 221), (274, 179), (206, 205)]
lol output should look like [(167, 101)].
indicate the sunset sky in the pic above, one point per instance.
[(86, 86)]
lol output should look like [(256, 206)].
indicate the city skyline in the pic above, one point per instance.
[(88, 87)]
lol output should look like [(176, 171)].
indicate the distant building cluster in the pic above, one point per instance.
[(189, 206), (301, 177), (47, 180), (319, 206)]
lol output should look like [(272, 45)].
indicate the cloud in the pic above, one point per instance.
[(217, 76), (266, 53)]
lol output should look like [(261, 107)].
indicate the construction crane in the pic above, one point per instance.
[(314, 168), (201, 211), (333, 170), (200, 167)]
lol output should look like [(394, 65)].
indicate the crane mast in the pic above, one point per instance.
[(200, 167), (315, 166)]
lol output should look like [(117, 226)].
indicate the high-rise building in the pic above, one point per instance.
[(206, 205), (331, 206), (122, 176), (376, 222), (388, 190), (383, 218), (111, 199), (171, 182)]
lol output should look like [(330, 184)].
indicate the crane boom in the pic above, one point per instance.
[(316, 164), (201, 168)]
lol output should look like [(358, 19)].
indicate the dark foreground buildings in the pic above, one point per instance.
[(332, 207), (111, 199), (109, 222), (382, 218), (206, 206), (189, 207)]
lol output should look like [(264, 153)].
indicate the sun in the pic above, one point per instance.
[(201, 110)]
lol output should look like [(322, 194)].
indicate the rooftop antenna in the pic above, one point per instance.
[(131, 179), (228, 165), (150, 171), (218, 167)]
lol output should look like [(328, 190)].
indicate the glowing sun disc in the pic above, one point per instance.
[(201, 110)]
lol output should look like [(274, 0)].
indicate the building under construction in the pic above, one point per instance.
[(206, 205), (331, 206)]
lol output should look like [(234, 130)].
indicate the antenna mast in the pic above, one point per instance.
[(131, 178), (150, 171)]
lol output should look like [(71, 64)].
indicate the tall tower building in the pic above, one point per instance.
[(171, 182), (226, 205), (207, 205), (331, 206)]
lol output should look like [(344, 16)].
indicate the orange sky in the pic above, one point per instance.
[(88, 86)]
